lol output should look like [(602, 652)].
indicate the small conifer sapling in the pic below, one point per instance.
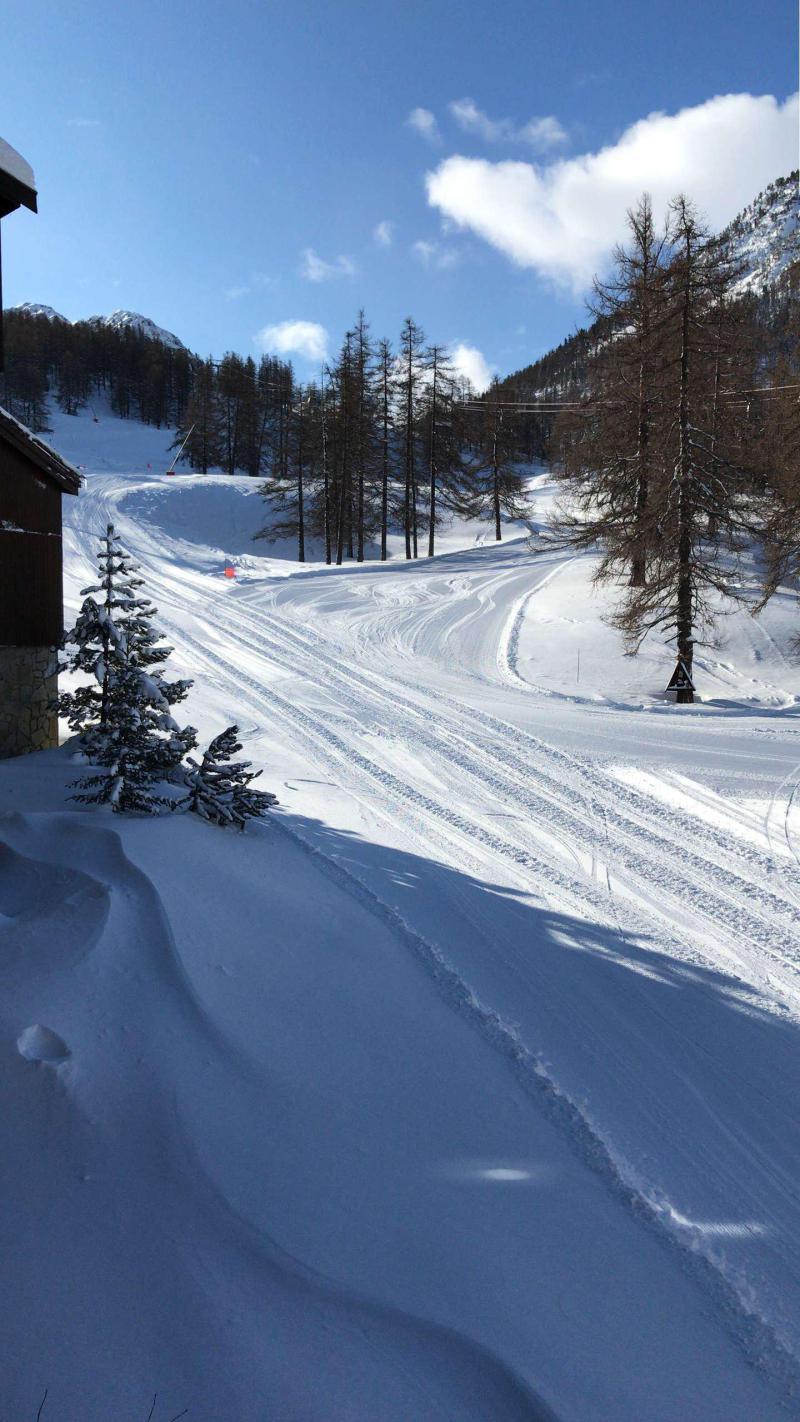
[(123, 715), (220, 787)]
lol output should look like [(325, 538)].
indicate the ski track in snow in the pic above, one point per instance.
[(376, 673)]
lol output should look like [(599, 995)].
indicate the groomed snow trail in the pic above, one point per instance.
[(602, 891)]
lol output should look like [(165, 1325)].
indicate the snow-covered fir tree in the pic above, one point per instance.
[(220, 787), (123, 715)]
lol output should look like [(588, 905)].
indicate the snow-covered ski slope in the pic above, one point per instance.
[(465, 1088)]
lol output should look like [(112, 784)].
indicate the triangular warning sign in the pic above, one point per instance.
[(680, 680)]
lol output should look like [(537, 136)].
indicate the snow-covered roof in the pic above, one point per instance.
[(45, 458), (17, 183), (15, 164)]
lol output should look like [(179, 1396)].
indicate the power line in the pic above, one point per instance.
[(549, 407)]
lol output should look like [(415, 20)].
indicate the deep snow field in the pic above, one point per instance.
[(463, 1087)]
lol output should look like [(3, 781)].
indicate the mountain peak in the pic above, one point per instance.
[(35, 308), (134, 321), (765, 236)]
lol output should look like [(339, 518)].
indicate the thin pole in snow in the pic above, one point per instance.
[(180, 452)]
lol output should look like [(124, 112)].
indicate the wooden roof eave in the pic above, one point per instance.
[(45, 459), (14, 193)]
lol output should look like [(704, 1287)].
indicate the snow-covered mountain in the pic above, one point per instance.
[(134, 321), (35, 308), (117, 321), (765, 237)]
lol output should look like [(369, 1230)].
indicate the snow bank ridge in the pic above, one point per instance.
[(42, 1044)]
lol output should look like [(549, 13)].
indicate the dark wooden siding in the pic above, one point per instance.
[(31, 597)]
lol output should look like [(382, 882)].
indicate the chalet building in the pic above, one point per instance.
[(32, 480)]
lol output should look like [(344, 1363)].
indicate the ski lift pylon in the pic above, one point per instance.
[(171, 469)]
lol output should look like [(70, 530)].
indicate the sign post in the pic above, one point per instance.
[(681, 683)]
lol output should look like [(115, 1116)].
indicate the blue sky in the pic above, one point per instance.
[(231, 169)]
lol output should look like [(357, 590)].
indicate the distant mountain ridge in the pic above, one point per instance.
[(764, 238), (117, 321), (133, 321), (34, 308)]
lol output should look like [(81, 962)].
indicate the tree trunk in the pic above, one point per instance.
[(325, 483), (432, 497), (414, 512), (342, 497), (360, 503), (385, 467), (409, 461), (301, 528), (496, 477), (712, 518), (638, 563), (685, 695)]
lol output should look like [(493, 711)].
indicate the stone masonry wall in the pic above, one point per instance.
[(28, 684)]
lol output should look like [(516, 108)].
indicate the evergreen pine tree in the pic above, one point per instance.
[(201, 431), (123, 716), (219, 787), (98, 640), (71, 384)]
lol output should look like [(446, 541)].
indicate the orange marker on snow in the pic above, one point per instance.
[(230, 572)]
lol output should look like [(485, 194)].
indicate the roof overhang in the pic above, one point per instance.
[(45, 459), (17, 183)]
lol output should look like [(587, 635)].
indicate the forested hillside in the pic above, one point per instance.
[(146, 373), (764, 243), (389, 438)]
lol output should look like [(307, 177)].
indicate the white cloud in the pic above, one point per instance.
[(303, 338), (541, 133), (424, 123), (434, 254), (468, 116), (83, 123), (563, 219), (383, 233), (424, 252), (234, 293), (315, 268), (472, 364)]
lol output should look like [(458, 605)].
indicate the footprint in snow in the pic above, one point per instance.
[(40, 1044)]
